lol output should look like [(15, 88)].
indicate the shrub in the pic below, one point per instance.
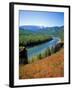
[(52, 50), (48, 51), (39, 56)]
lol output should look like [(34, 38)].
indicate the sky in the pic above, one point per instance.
[(41, 18)]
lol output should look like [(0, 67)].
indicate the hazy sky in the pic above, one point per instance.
[(41, 18)]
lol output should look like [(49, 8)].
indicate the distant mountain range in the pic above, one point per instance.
[(36, 28), (30, 27)]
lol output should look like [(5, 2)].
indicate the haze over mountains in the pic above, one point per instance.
[(38, 28)]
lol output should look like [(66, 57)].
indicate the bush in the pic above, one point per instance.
[(49, 51), (52, 50), (46, 53), (39, 56)]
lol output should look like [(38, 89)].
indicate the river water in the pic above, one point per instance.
[(33, 51)]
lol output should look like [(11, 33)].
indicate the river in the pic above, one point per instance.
[(33, 51)]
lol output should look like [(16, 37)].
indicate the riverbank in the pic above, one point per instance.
[(38, 42), (52, 66)]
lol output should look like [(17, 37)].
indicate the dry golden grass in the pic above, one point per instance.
[(52, 66)]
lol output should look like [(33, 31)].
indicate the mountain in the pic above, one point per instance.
[(39, 28), (30, 27)]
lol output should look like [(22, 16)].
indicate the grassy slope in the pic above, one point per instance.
[(52, 66), (29, 37)]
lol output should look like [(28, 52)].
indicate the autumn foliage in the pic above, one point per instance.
[(49, 67)]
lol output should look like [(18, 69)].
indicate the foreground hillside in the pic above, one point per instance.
[(52, 66)]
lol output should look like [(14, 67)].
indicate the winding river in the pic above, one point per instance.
[(33, 51)]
